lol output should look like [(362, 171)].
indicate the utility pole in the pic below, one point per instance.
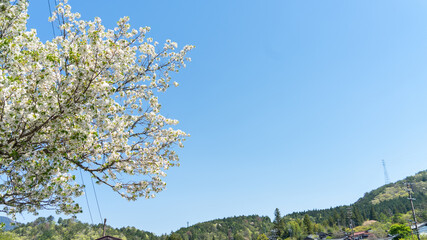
[(412, 233), (409, 189), (103, 231), (350, 220)]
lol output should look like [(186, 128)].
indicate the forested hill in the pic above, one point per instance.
[(242, 227), (71, 229), (380, 204), (239, 228), (387, 204)]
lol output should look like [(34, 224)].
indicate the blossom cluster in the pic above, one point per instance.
[(86, 100)]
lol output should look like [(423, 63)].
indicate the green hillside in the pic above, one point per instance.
[(71, 229), (383, 206), (242, 227), (379, 204)]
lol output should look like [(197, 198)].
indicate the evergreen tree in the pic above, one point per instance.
[(278, 225), (373, 214), (308, 226), (357, 216)]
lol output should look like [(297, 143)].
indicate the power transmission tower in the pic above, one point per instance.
[(409, 189), (387, 180)]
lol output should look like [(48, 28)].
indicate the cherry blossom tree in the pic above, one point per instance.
[(86, 100)]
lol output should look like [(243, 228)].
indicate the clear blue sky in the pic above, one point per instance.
[(290, 104)]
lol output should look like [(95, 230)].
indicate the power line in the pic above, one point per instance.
[(50, 14), (93, 186), (87, 201), (96, 198)]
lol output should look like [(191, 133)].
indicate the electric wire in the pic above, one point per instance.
[(50, 14), (87, 201), (96, 198)]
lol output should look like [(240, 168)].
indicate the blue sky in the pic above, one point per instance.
[(290, 104)]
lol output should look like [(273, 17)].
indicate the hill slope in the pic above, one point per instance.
[(242, 227), (379, 204), (385, 204)]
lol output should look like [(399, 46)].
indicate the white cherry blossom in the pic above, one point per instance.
[(85, 100)]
